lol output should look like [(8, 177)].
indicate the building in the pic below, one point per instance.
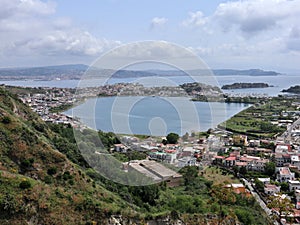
[(282, 159), (254, 163), (186, 161), (264, 180), (254, 143), (295, 161), (240, 140), (219, 160), (120, 148), (258, 151), (282, 148), (230, 161), (283, 174), (294, 185), (156, 171), (271, 189)]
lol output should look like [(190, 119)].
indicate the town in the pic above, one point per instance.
[(266, 159)]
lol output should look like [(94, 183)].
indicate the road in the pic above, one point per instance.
[(259, 200), (287, 134)]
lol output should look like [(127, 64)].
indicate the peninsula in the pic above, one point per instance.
[(293, 89)]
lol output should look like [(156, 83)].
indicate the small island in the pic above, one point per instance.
[(245, 85), (293, 89)]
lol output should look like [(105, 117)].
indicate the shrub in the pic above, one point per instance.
[(52, 170), (48, 180), (25, 184), (6, 120)]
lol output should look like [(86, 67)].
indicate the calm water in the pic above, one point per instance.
[(153, 115)]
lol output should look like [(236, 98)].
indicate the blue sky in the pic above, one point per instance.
[(225, 34)]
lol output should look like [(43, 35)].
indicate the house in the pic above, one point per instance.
[(186, 161), (264, 180), (295, 161), (230, 161), (259, 165), (254, 143), (282, 148), (284, 174), (271, 189), (282, 159), (219, 160), (257, 151), (120, 148), (294, 185), (241, 164), (254, 163), (240, 140), (235, 153)]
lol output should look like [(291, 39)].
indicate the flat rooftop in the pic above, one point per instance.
[(153, 169)]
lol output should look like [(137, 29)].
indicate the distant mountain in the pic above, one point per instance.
[(44, 71), (77, 70), (250, 72), (217, 72)]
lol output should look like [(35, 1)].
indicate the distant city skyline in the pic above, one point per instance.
[(244, 34)]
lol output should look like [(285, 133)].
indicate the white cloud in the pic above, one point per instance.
[(158, 22), (253, 16), (196, 19), (31, 28)]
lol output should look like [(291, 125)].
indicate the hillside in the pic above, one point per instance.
[(38, 184), (45, 180)]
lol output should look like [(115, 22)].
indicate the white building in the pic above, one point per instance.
[(294, 185), (284, 174)]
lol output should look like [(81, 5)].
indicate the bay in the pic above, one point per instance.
[(156, 116)]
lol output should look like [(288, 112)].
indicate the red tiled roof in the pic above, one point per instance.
[(230, 158), (219, 157), (241, 164)]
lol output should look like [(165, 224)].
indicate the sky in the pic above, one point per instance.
[(241, 34)]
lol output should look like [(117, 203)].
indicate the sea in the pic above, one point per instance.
[(158, 116)]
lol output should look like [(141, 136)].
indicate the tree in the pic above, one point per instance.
[(243, 170), (259, 185), (284, 186), (172, 138), (270, 168), (284, 205), (189, 174)]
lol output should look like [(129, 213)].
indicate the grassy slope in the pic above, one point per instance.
[(66, 196)]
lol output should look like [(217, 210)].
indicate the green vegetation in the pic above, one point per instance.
[(172, 138), (44, 179), (61, 108), (258, 120)]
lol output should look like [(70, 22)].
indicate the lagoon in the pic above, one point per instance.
[(156, 116)]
